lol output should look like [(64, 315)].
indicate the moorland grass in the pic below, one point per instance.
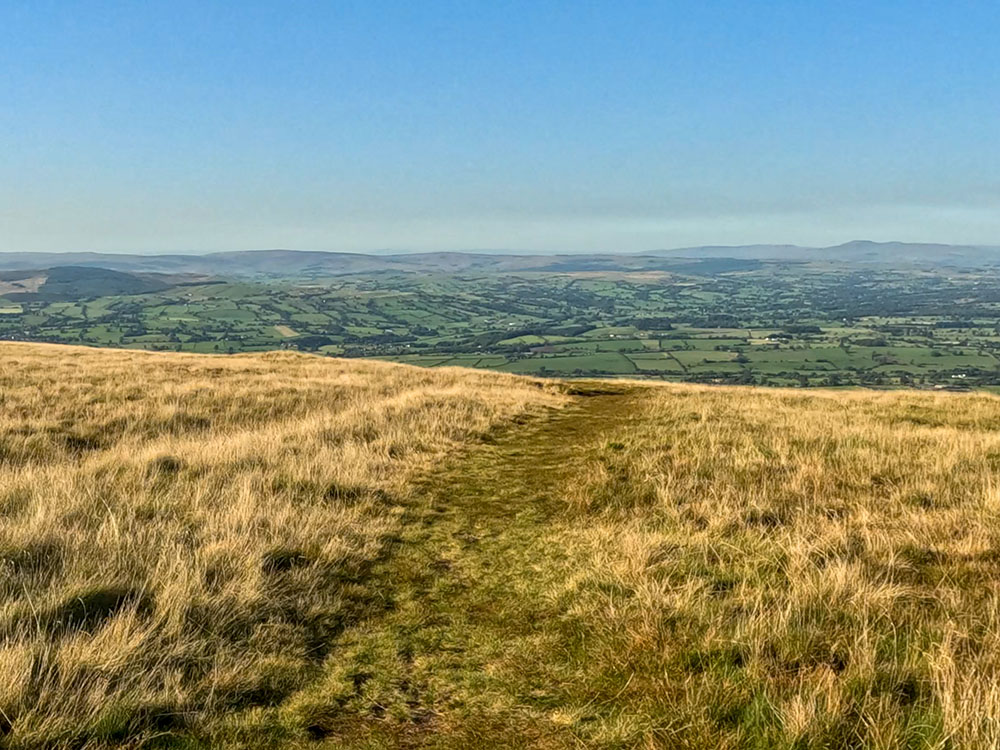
[(800, 570), (273, 551), (689, 567), (183, 536)]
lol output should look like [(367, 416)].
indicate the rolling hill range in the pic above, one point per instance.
[(311, 264), (304, 264), (282, 550), (858, 251)]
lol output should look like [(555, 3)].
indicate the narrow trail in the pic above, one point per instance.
[(459, 653)]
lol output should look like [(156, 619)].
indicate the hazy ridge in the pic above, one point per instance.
[(290, 263)]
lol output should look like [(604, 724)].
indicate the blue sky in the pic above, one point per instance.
[(620, 126)]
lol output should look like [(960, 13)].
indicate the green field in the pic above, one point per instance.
[(776, 324)]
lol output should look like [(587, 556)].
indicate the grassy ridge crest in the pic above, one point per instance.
[(288, 550)]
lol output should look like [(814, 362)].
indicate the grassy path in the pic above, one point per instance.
[(684, 568), (471, 647)]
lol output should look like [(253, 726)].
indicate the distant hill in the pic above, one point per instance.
[(857, 251), (75, 282), (315, 264)]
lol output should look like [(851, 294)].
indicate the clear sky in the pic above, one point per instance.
[(197, 126)]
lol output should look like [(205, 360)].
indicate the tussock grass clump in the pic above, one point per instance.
[(803, 570), (184, 535)]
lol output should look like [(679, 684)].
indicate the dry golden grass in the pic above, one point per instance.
[(184, 535), (201, 550), (788, 569)]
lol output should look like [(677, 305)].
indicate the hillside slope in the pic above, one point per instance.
[(691, 567), (73, 283), (285, 551), (184, 535)]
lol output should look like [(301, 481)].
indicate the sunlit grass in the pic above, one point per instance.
[(786, 570), (182, 535), (277, 550)]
